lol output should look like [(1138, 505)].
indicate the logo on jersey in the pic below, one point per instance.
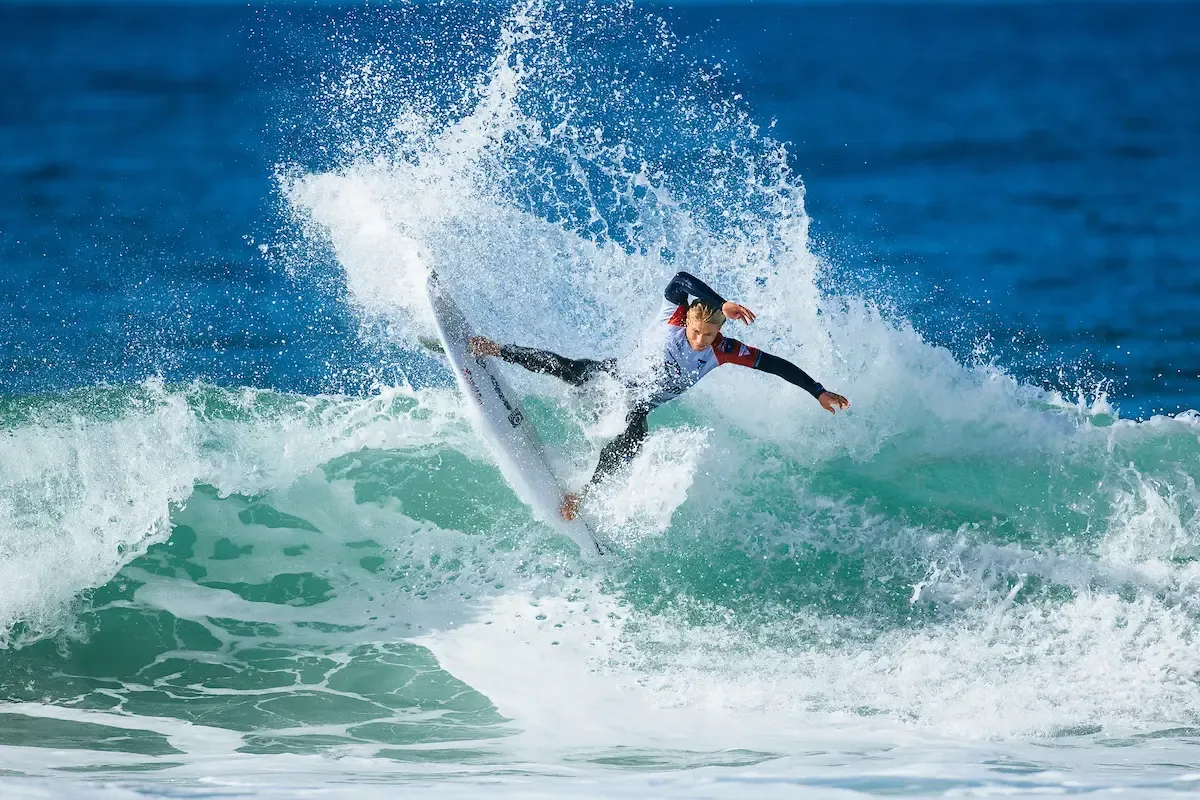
[(743, 351)]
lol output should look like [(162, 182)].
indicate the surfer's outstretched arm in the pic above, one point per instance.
[(685, 285), (785, 369)]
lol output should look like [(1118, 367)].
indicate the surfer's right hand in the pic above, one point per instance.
[(570, 506), (738, 311), (483, 346)]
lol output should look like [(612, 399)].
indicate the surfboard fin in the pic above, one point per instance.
[(429, 343)]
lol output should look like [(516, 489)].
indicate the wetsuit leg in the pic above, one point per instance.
[(622, 449), (575, 371)]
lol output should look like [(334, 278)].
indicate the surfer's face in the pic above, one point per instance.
[(701, 335)]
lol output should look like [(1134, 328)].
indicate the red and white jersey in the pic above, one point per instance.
[(682, 366)]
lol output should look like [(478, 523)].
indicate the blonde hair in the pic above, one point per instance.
[(702, 312)]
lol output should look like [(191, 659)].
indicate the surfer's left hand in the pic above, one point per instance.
[(570, 506), (737, 311), (833, 402)]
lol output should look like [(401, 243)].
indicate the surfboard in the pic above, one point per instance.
[(500, 419)]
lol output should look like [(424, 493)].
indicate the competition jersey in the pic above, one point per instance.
[(682, 366)]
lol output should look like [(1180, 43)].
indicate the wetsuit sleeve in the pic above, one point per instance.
[(685, 285), (789, 372), (672, 314), (732, 351)]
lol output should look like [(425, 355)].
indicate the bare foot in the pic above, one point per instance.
[(570, 506), (483, 346)]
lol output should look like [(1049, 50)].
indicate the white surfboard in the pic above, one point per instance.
[(498, 416)]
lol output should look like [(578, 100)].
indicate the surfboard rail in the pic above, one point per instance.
[(499, 417)]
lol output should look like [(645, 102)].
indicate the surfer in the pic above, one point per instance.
[(692, 346)]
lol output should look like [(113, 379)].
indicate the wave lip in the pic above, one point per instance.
[(89, 480)]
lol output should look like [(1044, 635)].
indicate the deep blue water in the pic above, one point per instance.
[(1023, 175)]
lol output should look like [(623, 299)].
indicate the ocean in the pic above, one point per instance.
[(251, 545)]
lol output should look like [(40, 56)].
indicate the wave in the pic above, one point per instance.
[(1021, 584), (960, 550), (957, 534), (91, 478)]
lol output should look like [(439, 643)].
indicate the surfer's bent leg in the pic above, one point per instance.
[(622, 449), (575, 371)]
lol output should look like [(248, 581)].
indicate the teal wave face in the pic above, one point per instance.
[(253, 620), (303, 607)]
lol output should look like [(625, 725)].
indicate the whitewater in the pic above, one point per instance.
[(966, 585)]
